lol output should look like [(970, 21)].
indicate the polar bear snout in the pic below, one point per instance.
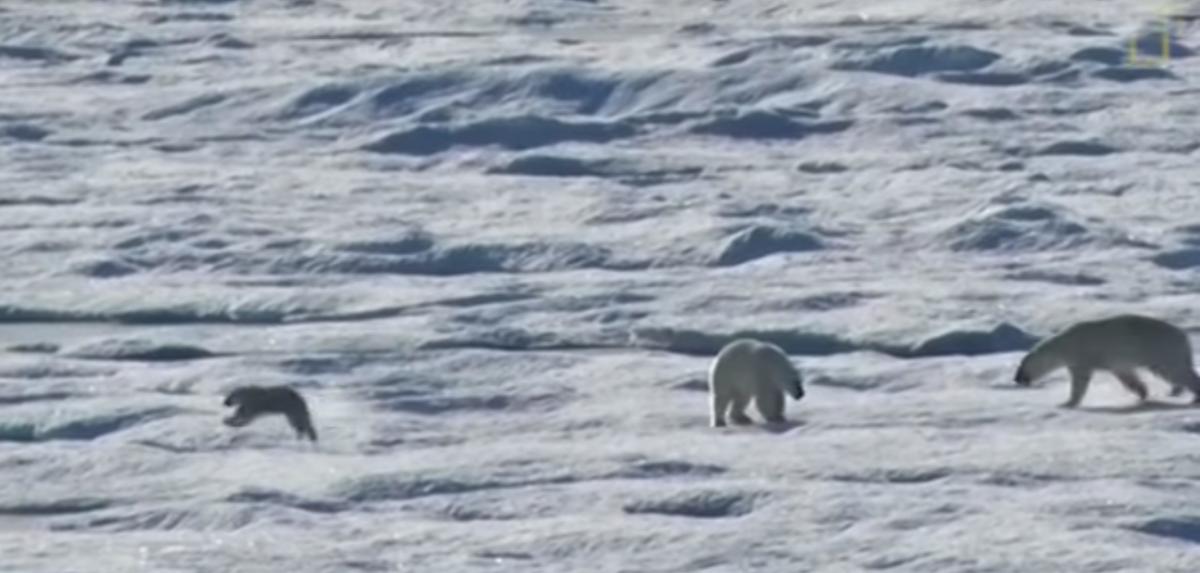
[(797, 391)]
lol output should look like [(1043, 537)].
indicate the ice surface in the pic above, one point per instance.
[(496, 243)]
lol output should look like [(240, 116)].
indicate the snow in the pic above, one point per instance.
[(496, 244)]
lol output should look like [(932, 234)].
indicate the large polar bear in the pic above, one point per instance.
[(1119, 344), (748, 369)]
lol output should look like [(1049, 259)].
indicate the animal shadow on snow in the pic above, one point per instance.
[(759, 426), (781, 427), (1138, 407)]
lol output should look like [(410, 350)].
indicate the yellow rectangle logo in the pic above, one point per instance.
[(1168, 22)]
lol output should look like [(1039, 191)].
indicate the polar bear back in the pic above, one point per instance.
[(748, 361), (1122, 342)]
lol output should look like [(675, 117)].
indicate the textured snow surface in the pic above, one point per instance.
[(496, 244)]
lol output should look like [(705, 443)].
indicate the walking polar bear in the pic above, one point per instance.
[(745, 370), (1121, 345), (255, 401)]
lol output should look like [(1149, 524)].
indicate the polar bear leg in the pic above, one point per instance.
[(1080, 378), (1182, 376), (1129, 379), (242, 416), (769, 401), (737, 409), (718, 404)]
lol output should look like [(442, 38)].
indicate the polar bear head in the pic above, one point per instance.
[(783, 373), (794, 386), (1043, 358)]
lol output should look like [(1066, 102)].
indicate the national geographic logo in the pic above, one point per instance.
[(1154, 49)]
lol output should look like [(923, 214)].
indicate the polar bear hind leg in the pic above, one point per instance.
[(719, 404), (737, 409), (1182, 376), (727, 401)]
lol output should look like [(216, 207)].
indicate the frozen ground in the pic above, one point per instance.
[(496, 242)]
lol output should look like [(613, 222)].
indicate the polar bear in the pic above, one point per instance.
[(746, 369), (254, 401), (1119, 344)]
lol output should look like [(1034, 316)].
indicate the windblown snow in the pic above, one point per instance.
[(496, 244)]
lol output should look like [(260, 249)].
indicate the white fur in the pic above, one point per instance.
[(746, 370), (1119, 344)]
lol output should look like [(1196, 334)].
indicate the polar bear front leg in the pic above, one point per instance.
[(1129, 379), (769, 402), (242, 416), (1080, 377)]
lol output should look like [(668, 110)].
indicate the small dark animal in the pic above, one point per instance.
[(254, 401)]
